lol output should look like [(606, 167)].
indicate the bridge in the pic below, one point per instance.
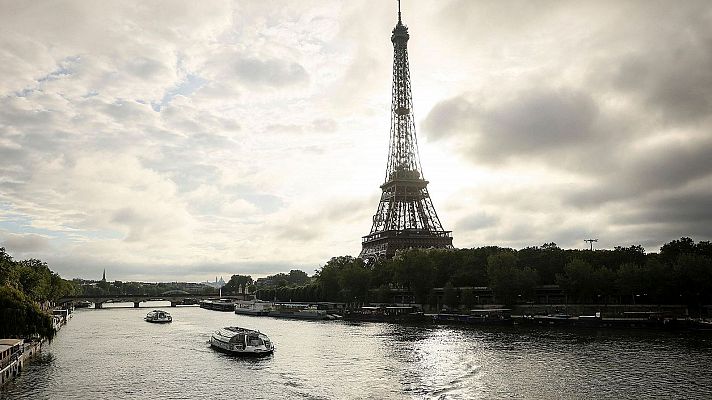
[(175, 297)]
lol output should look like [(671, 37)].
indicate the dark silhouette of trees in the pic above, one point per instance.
[(237, 284), (25, 287), (681, 273)]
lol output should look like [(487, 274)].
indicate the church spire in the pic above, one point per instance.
[(103, 277)]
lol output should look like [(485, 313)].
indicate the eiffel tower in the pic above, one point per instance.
[(405, 217)]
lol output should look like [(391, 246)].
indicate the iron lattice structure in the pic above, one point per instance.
[(405, 217)]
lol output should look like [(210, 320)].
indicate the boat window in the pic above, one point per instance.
[(240, 339)]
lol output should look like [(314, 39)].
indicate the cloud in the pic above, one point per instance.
[(270, 72), (537, 122), (476, 221), (671, 74), (181, 138), (24, 243)]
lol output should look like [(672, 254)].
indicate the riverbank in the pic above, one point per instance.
[(668, 317), (16, 353)]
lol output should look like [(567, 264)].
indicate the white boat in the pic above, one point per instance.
[(298, 311), (241, 341), (253, 307), (158, 316)]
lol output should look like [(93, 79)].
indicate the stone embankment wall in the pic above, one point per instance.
[(610, 310)]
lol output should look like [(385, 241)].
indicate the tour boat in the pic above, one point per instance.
[(158, 316), (241, 341)]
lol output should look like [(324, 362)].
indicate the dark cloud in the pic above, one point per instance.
[(667, 167), (671, 72), (476, 221), (689, 208), (450, 117), (540, 122)]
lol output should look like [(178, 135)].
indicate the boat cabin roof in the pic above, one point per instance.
[(230, 331), (9, 343)]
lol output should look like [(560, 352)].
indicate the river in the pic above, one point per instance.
[(114, 354)]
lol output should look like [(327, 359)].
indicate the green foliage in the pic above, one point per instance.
[(415, 270), (21, 316), (510, 282), (23, 285), (295, 277), (586, 284), (237, 284), (467, 298), (383, 294), (450, 297), (344, 278)]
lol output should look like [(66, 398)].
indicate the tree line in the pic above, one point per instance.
[(27, 290), (103, 288), (681, 273)]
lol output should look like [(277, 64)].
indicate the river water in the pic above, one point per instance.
[(114, 354)]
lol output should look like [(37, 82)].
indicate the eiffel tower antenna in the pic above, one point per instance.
[(405, 217)]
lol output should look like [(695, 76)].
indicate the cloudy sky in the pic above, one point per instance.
[(169, 141)]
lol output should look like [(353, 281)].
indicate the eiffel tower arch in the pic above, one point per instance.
[(405, 217)]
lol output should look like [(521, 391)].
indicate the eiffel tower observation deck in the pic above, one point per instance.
[(405, 217)]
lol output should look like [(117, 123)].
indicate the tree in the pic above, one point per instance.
[(467, 298), (509, 282), (450, 295), (353, 280), (383, 294), (237, 284), (21, 316), (414, 270), (632, 281), (585, 283), (693, 274), (669, 252), (329, 277), (297, 277)]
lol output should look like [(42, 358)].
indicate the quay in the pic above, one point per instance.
[(16, 353)]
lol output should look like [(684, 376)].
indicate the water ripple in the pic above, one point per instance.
[(114, 354)]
